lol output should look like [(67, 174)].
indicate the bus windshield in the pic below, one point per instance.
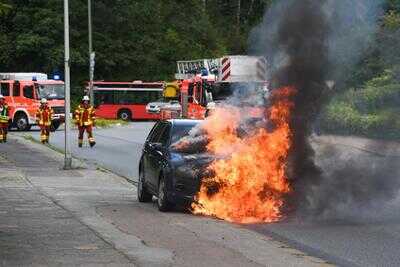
[(51, 91)]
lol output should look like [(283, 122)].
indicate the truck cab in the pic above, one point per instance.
[(23, 92)]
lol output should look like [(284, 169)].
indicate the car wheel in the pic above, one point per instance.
[(22, 123), (162, 201), (142, 193), (125, 115)]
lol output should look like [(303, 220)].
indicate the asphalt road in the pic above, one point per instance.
[(351, 233), (354, 236), (117, 149)]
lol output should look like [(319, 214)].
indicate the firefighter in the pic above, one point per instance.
[(43, 118), (85, 120), (4, 110)]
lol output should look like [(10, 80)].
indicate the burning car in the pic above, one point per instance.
[(170, 174)]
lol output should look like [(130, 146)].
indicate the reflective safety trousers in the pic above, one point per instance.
[(4, 110)]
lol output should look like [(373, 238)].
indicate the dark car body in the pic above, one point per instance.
[(160, 162)]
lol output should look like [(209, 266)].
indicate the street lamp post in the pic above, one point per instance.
[(91, 53), (67, 151)]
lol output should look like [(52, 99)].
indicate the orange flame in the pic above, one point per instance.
[(249, 184)]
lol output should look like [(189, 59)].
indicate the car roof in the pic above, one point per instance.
[(184, 122)]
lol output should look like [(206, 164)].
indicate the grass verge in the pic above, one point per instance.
[(104, 123)]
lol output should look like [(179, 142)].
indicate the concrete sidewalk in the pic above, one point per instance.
[(48, 215)]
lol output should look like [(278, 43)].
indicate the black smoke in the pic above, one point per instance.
[(312, 45)]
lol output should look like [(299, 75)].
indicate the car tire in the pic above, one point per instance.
[(142, 193), (162, 200), (22, 123), (125, 115)]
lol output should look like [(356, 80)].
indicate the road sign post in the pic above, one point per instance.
[(67, 150)]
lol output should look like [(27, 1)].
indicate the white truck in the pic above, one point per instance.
[(227, 69)]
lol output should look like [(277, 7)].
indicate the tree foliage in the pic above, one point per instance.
[(370, 104), (132, 39)]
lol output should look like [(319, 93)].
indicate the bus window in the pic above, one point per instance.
[(126, 97), (103, 97), (156, 96), (5, 89), (137, 97)]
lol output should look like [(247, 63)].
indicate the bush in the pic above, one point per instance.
[(372, 111)]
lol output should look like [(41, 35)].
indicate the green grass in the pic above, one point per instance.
[(104, 123)]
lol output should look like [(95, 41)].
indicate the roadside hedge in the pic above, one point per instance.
[(372, 111)]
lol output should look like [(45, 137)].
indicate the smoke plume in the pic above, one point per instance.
[(312, 45)]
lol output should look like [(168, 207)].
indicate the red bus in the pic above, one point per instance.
[(126, 100)]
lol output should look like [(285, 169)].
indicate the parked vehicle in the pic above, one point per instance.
[(23, 92), (164, 172), (125, 100), (157, 107)]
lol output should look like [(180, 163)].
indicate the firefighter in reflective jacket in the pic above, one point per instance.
[(4, 110), (43, 118), (85, 120)]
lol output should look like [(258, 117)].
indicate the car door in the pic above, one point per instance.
[(147, 164), (157, 153), (30, 102)]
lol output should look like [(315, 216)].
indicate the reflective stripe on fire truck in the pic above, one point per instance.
[(262, 69), (226, 68)]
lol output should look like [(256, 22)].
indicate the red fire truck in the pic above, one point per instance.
[(23, 92), (207, 82)]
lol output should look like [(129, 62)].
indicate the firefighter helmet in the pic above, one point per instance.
[(43, 100), (85, 98)]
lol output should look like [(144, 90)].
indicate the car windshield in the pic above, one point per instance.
[(180, 131), (51, 91)]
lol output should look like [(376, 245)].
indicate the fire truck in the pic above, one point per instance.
[(23, 92), (205, 83)]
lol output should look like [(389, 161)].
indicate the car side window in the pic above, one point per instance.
[(164, 137), (155, 133), (151, 134)]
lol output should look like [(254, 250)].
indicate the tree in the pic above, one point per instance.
[(4, 8)]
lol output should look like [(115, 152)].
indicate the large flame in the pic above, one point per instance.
[(249, 182)]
